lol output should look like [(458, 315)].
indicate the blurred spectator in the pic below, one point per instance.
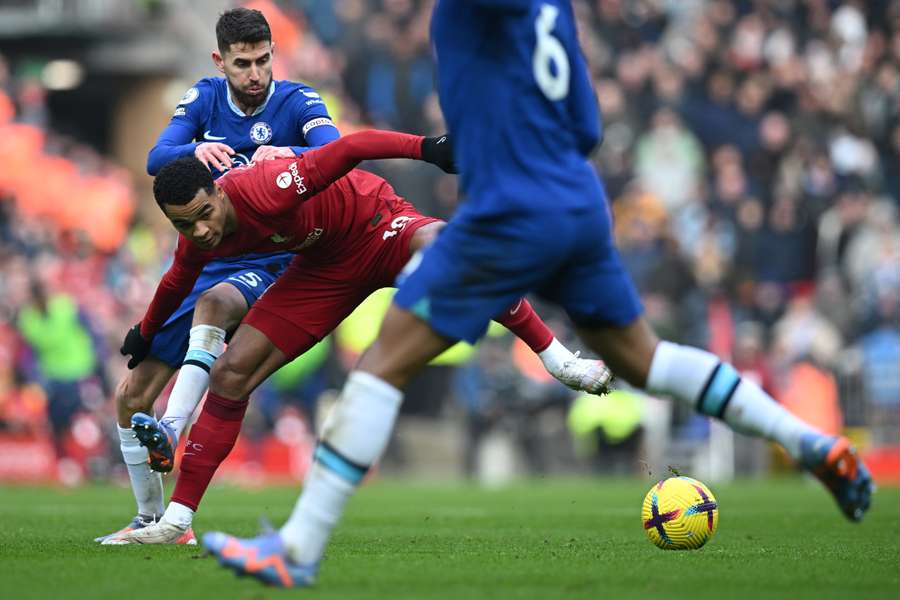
[(64, 353), (496, 393), (669, 161), (607, 431), (881, 354)]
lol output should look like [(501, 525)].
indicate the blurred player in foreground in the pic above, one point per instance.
[(351, 238), (536, 220), (223, 122)]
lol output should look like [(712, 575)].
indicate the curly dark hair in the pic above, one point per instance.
[(241, 26), (179, 181)]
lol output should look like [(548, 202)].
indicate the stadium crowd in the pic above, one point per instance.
[(749, 152)]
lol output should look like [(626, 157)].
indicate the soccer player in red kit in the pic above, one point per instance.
[(352, 234)]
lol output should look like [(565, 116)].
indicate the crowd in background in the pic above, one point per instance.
[(750, 154)]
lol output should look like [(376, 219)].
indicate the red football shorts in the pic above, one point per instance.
[(314, 295)]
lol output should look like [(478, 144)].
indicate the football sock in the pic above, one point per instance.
[(555, 356), (206, 344), (353, 437), (179, 515), (715, 389), (210, 440), (521, 319), (145, 483)]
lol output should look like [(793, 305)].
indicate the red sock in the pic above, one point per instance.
[(521, 319), (210, 440)]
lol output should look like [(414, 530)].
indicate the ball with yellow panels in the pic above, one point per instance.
[(680, 513)]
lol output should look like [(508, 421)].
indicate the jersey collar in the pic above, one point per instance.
[(259, 108)]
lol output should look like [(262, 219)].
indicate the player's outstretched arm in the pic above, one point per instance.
[(173, 288), (327, 164)]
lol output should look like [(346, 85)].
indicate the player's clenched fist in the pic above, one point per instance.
[(135, 345), (214, 154), (266, 152)]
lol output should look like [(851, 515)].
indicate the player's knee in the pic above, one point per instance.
[(220, 307)]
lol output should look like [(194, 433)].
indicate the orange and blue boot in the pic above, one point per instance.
[(158, 438), (263, 557), (834, 461)]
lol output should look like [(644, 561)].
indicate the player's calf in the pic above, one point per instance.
[(129, 400)]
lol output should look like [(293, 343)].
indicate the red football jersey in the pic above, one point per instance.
[(274, 212)]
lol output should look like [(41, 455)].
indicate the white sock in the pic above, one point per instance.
[(186, 395), (205, 345), (555, 356), (145, 483), (714, 388), (354, 436), (179, 515)]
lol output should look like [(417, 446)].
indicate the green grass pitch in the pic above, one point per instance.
[(541, 539)]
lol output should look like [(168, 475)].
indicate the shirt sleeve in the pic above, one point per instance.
[(320, 167), (323, 132), (174, 287), (177, 139), (314, 124)]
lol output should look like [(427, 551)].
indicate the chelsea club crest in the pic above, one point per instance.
[(261, 133)]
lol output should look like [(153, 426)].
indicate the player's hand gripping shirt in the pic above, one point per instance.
[(274, 212)]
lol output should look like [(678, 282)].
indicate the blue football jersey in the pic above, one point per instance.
[(518, 99), (293, 115)]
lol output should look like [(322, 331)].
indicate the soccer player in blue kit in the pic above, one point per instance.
[(225, 122), (536, 220)]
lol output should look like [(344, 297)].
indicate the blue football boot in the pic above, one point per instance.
[(263, 557), (159, 439), (834, 461)]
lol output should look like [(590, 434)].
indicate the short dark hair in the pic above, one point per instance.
[(241, 26), (179, 181)]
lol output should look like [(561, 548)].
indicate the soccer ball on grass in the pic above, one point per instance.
[(680, 513)]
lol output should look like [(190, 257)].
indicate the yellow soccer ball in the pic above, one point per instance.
[(680, 513)]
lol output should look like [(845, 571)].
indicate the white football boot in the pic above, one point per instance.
[(583, 374), (161, 532)]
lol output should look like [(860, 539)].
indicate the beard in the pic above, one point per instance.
[(250, 100)]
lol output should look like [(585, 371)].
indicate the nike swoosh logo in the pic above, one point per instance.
[(207, 135)]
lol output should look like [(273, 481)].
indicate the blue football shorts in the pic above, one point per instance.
[(480, 266), (250, 277)]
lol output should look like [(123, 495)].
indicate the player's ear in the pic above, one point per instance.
[(218, 61)]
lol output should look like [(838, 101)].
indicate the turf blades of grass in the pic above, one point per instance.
[(547, 539)]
